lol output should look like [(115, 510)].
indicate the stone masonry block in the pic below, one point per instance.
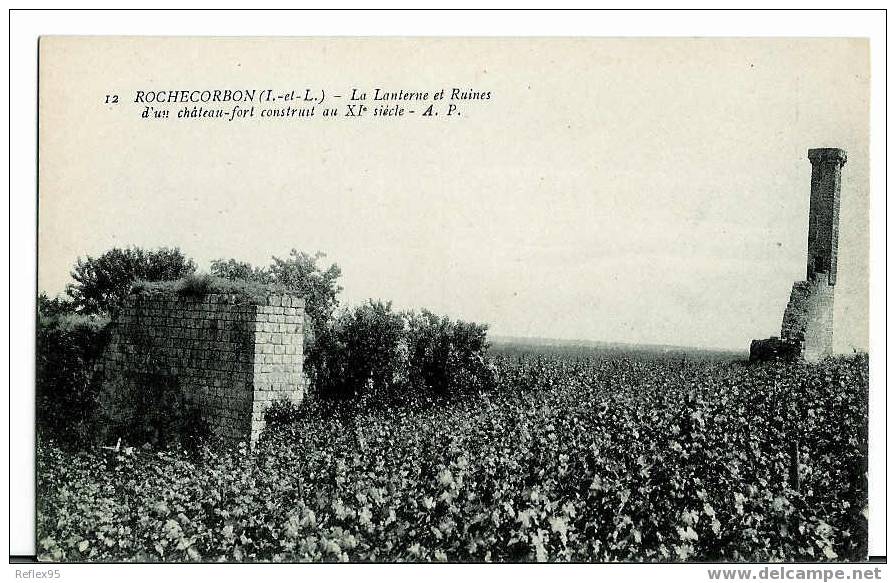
[(230, 356)]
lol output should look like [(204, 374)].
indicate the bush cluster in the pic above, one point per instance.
[(445, 356), (372, 351), (67, 346)]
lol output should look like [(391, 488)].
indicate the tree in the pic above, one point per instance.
[(102, 283), (300, 273)]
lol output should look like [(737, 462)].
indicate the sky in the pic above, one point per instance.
[(623, 190)]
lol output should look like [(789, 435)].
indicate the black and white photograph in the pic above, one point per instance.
[(443, 299)]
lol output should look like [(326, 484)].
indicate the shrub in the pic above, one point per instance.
[(373, 352), (444, 356), (235, 270), (361, 352), (67, 346), (281, 413)]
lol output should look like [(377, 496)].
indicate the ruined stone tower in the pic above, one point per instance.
[(228, 355), (807, 329), (824, 213)]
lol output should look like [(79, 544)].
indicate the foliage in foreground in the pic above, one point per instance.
[(588, 459)]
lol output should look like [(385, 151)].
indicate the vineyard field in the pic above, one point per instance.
[(573, 457)]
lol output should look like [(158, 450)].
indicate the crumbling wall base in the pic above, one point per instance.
[(809, 318)]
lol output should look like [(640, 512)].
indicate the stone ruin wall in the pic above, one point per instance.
[(809, 318), (807, 329), (228, 355)]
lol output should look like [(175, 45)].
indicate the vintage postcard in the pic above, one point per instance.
[(460, 300)]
